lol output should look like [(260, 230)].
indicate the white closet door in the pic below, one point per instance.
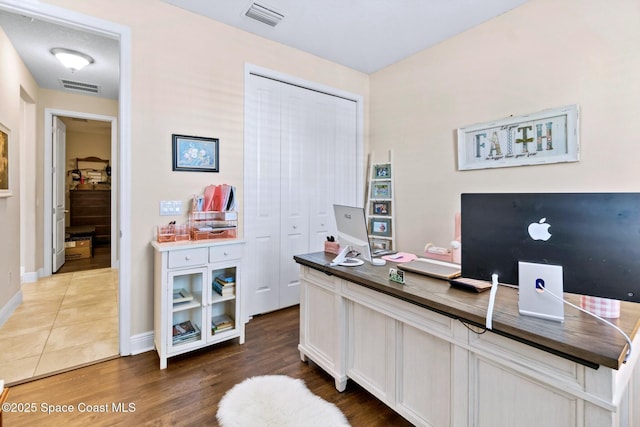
[(304, 143), (295, 188), (262, 188)]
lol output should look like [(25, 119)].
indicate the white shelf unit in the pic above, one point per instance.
[(379, 207), (192, 267)]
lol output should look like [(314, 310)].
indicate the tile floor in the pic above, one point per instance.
[(65, 320)]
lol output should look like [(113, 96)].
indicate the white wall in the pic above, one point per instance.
[(544, 54), (187, 78), (15, 77)]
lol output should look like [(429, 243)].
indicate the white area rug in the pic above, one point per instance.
[(276, 401)]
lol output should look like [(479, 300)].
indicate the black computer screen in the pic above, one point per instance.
[(595, 237)]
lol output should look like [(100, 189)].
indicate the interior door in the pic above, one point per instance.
[(300, 159), (262, 195), (58, 198), (295, 152)]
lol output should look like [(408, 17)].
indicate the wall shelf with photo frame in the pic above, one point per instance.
[(379, 206)]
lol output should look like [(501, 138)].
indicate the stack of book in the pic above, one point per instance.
[(185, 332), (224, 285), (221, 323), (181, 295)]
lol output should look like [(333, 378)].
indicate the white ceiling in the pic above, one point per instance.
[(366, 35), (34, 39)]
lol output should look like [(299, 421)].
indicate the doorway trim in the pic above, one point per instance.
[(76, 20), (49, 114)]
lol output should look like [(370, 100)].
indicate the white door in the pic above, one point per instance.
[(297, 152), (262, 195), (295, 186), (58, 192)]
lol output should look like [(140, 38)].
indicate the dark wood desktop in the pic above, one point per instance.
[(581, 338)]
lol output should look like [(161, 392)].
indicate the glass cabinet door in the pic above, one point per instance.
[(188, 293)]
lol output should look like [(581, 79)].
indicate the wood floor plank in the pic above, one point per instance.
[(188, 392), (101, 259)]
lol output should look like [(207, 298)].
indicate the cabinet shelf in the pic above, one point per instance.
[(180, 306), (217, 298)]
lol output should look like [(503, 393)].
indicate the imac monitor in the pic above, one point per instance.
[(352, 230), (595, 237)]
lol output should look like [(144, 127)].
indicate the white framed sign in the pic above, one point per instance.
[(549, 136)]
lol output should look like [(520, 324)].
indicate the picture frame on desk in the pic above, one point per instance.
[(5, 162), (549, 136), (382, 208), (381, 190), (380, 227), (195, 153)]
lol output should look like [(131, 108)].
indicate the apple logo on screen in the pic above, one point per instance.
[(539, 230)]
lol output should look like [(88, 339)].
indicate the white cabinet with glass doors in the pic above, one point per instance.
[(197, 295)]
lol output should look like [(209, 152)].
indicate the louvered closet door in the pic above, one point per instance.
[(262, 199), (315, 143)]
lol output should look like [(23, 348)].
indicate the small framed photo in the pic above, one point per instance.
[(195, 154), (382, 171), (381, 208), (380, 226), (5, 189), (380, 244), (396, 275), (381, 190)]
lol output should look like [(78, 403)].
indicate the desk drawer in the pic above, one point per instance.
[(222, 253), (187, 258)]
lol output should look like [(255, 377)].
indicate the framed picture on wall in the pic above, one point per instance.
[(549, 136), (5, 164), (195, 154)]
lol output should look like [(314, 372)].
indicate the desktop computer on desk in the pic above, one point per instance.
[(550, 243), (353, 237)]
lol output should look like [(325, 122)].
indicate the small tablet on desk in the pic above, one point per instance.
[(428, 267)]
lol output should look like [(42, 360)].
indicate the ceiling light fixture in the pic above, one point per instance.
[(72, 59), (264, 14)]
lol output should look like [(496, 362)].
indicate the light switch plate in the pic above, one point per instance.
[(170, 207)]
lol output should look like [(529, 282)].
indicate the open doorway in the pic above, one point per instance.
[(88, 186), (39, 265)]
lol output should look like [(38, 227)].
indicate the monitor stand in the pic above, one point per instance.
[(533, 280), (351, 262)]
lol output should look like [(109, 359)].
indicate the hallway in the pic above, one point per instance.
[(65, 321)]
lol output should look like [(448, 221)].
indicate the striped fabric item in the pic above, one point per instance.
[(603, 307)]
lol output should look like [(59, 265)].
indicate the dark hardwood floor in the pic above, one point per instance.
[(101, 259), (188, 391)]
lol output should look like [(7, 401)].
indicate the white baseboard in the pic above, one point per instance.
[(10, 306), (29, 277), (141, 343)]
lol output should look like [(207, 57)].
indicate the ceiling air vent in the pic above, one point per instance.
[(264, 14), (82, 87)]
